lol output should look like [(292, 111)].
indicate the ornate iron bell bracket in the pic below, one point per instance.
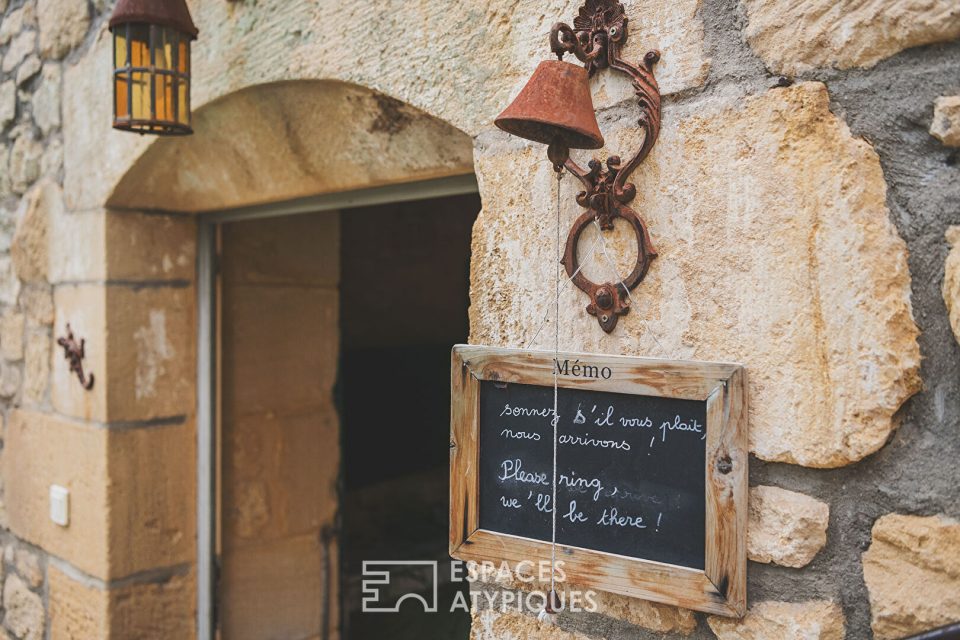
[(597, 38)]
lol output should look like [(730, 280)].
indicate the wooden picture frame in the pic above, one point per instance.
[(721, 587)]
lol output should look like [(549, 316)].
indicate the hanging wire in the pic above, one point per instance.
[(556, 415), (562, 289)]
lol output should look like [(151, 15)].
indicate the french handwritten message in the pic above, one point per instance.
[(630, 470)]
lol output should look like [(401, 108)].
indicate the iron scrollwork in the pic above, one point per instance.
[(597, 38)]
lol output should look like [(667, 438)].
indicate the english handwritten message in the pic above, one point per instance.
[(630, 469)]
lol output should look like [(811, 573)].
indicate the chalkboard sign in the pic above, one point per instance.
[(630, 470), (650, 478)]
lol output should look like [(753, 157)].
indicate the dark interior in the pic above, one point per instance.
[(404, 301)]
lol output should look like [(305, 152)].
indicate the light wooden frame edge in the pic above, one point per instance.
[(721, 588)]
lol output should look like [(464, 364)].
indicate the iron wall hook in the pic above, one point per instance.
[(74, 352)]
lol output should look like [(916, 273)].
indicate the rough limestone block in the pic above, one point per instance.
[(814, 620), (164, 608), (8, 103), (951, 280), (24, 609), (83, 307), (63, 25), (152, 497), (946, 120), (46, 99), (11, 335), (121, 245), (27, 564), (20, 47), (795, 36), (776, 250), (785, 527), (30, 249), (660, 618), (16, 21), (25, 157), (151, 363), (489, 625), (912, 571), (40, 450), (36, 374)]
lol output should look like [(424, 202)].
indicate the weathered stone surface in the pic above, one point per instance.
[(40, 450), (36, 374), (468, 96), (51, 162), (24, 609), (5, 185), (150, 365), (27, 564), (46, 99), (649, 615), (946, 120), (815, 620), (951, 280), (9, 283), (63, 24), (77, 609), (796, 36), (20, 47), (8, 103), (489, 625), (24, 162), (912, 571), (161, 609), (11, 335), (10, 378), (775, 249), (785, 527), (28, 69), (18, 19), (78, 246), (150, 246), (152, 524), (37, 303), (29, 249), (84, 308)]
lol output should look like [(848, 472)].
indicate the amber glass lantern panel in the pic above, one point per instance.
[(151, 79)]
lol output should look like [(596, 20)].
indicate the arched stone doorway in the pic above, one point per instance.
[(290, 146)]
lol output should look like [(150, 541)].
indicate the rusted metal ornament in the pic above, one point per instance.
[(164, 13), (555, 108), (74, 352)]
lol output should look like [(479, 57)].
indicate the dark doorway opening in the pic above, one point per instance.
[(404, 299)]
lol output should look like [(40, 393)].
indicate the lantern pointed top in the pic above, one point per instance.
[(167, 13)]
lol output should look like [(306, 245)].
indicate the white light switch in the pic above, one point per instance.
[(60, 505)]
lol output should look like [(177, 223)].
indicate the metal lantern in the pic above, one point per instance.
[(151, 66)]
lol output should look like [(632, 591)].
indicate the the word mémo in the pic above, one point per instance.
[(584, 370)]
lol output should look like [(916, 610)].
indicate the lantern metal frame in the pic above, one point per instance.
[(153, 24), (153, 125), (596, 39)]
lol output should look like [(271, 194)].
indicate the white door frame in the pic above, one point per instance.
[(207, 463)]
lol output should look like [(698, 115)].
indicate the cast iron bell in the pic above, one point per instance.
[(555, 108)]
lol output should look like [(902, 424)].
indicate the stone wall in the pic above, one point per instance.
[(802, 224)]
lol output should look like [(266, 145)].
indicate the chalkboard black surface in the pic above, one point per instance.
[(630, 470), (651, 471)]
